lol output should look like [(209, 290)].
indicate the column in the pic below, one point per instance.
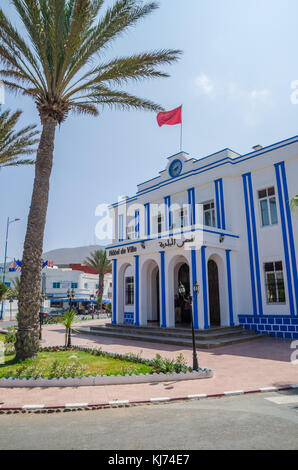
[(230, 290), (163, 290), (114, 300), (194, 280), (137, 290), (205, 288)]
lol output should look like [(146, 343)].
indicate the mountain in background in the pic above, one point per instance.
[(66, 256)]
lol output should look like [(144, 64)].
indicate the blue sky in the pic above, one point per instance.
[(234, 80)]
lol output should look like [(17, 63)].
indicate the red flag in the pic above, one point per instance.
[(170, 118)]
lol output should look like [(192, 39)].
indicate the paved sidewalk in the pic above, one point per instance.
[(247, 366)]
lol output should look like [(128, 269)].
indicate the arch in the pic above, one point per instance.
[(150, 292), (217, 291), (125, 270), (178, 270)]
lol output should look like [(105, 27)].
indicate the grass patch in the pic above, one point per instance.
[(69, 363)]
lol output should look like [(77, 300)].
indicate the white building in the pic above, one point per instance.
[(223, 222), (57, 281)]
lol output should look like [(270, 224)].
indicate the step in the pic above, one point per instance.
[(201, 344), (174, 333)]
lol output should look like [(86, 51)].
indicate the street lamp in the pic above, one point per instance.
[(5, 257), (182, 291), (10, 307), (71, 295), (41, 314)]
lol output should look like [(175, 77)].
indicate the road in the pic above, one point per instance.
[(262, 421)]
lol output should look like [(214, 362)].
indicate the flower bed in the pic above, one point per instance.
[(145, 370)]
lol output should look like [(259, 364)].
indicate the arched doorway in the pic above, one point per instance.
[(214, 299), (150, 293), (183, 316)]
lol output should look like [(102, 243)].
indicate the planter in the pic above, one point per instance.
[(98, 380)]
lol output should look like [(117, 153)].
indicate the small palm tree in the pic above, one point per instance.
[(294, 204), (98, 260), (15, 289), (68, 320), (60, 62), (16, 144)]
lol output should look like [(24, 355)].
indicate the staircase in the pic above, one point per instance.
[(205, 339)]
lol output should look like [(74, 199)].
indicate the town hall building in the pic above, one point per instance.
[(222, 224)]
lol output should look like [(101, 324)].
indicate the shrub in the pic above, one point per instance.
[(11, 335)]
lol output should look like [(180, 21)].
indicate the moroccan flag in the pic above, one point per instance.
[(170, 118)]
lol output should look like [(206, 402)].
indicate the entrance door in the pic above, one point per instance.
[(214, 304)]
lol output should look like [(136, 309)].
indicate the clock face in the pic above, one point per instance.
[(175, 168)]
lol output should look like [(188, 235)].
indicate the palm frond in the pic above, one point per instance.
[(15, 144)]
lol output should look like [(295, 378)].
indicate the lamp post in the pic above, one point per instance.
[(41, 314), (71, 295), (182, 291), (10, 307), (5, 257)]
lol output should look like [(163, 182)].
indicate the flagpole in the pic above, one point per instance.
[(181, 134)]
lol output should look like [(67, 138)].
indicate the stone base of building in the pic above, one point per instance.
[(278, 326)]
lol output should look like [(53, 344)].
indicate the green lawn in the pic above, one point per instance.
[(68, 363)]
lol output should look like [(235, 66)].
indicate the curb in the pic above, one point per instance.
[(128, 403)]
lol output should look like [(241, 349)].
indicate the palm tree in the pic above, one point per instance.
[(68, 321), (98, 260), (15, 289), (61, 65), (15, 144), (294, 204)]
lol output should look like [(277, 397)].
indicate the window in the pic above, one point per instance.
[(74, 285), (86, 285), (209, 214), (56, 285), (130, 232), (159, 224), (129, 291), (183, 218), (268, 207), (275, 285)]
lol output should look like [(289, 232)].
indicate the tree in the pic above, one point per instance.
[(15, 289), (15, 144), (98, 260), (3, 290), (60, 63), (294, 204)]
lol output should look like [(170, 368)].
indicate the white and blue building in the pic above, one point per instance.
[(223, 222)]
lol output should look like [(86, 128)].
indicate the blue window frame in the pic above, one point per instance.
[(74, 285), (56, 285)]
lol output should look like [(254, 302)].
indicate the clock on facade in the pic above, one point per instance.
[(175, 168)]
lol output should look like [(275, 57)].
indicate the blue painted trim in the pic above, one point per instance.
[(147, 220), (114, 320), (223, 161), (205, 290), (163, 290), (285, 238), (137, 290), (290, 232), (250, 250), (194, 280), (255, 243), (218, 215), (172, 235), (168, 213), (222, 205), (120, 228), (192, 206), (137, 224), (230, 289)]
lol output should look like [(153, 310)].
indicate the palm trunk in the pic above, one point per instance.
[(30, 289)]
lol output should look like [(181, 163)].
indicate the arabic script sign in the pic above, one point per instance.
[(178, 243)]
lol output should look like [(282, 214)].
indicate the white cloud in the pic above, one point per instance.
[(204, 84)]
